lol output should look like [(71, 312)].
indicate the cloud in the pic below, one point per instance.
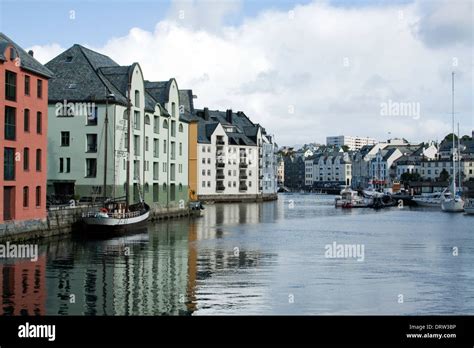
[(331, 66)]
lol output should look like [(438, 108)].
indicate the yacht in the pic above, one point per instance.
[(432, 199)]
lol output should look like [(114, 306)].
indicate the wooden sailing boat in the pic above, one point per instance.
[(454, 203), (117, 214)]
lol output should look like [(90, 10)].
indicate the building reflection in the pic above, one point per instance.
[(161, 270), (23, 285)]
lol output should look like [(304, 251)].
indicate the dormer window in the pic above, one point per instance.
[(68, 59), (12, 53)]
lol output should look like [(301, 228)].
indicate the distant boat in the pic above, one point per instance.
[(116, 214), (432, 200), (454, 203), (469, 207), (351, 199)]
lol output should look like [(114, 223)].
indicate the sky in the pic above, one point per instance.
[(304, 70)]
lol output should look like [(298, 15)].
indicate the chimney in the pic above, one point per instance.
[(228, 115), (206, 114), (31, 53)]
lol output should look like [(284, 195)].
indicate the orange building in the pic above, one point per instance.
[(23, 133)]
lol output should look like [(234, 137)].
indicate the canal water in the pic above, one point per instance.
[(257, 258)]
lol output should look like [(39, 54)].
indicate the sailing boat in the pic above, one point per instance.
[(454, 203), (116, 214)]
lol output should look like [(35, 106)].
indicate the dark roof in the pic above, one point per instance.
[(84, 75), (159, 90), (187, 103), (244, 132), (387, 153), (27, 62)]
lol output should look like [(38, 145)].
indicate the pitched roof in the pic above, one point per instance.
[(81, 74), (159, 90), (187, 103), (27, 62)]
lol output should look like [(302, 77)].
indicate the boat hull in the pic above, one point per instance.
[(99, 224), (452, 205)]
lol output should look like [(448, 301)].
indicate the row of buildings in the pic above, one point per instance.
[(66, 135), (378, 165)]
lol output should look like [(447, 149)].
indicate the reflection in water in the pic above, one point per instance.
[(252, 259)]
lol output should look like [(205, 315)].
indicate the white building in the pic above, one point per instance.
[(87, 88), (236, 158), (352, 142), (335, 167)]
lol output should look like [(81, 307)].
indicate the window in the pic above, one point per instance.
[(27, 85), (92, 115), (61, 164), (173, 150), (125, 115), (9, 163), (203, 149), (173, 109), (180, 168), (203, 184), (156, 124), (39, 91), (173, 128), (136, 120), (203, 172), (64, 138), (208, 184), (156, 148), (165, 124), (38, 196), (203, 161), (208, 149), (39, 122), (147, 119), (10, 85), (91, 167), (125, 143), (68, 165), (26, 120), (208, 161), (26, 159), (209, 172), (180, 128), (25, 196), (164, 167), (180, 187), (10, 123), (137, 99), (38, 160), (146, 143), (164, 187), (164, 146), (155, 192), (155, 170), (229, 184), (234, 183), (136, 145), (172, 171), (250, 184), (91, 140), (180, 149)]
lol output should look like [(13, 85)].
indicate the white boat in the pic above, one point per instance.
[(351, 199), (116, 215), (431, 199), (469, 207), (454, 203)]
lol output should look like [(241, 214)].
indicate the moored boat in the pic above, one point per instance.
[(469, 207)]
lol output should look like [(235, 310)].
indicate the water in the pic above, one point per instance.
[(256, 258)]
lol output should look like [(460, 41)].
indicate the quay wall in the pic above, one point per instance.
[(63, 220), (237, 198)]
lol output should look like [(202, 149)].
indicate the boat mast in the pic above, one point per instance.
[(127, 181), (106, 123), (459, 161), (454, 159)]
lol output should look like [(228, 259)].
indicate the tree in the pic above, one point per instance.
[(449, 137), (444, 175), (406, 177), (345, 148)]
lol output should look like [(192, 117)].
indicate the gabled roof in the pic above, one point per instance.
[(159, 90), (81, 74), (27, 62), (187, 103)]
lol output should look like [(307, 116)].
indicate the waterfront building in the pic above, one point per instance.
[(380, 166), (280, 171), (361, 164), (89, 88), (294, 172), (333, 168), (23, 134), (352, 142), (236, 158)]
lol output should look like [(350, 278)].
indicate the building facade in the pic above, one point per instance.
[(352, 142), (94, 104), (23, 133)]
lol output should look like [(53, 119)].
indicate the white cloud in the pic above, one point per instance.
[(335, 66)]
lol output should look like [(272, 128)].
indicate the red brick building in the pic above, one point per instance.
[(23, 133)]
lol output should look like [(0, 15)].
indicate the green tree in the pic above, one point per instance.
[(406, 177), (444, 175)]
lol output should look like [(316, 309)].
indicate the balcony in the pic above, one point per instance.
[(243, 176), (243, 165), (220, 164), (220, 188), (220, 142), (220, 176), (242, 188)]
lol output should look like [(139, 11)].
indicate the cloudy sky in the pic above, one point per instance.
[(302, 69)]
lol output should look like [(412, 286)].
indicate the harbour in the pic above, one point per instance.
[(256, 258)]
